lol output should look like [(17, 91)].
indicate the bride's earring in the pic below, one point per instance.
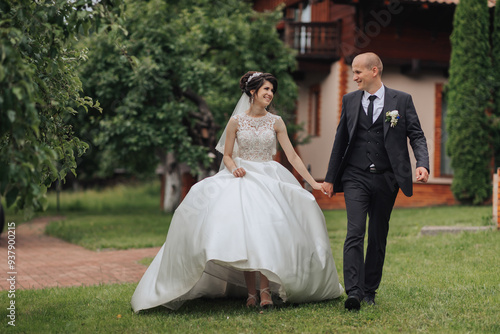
[(251, 99)]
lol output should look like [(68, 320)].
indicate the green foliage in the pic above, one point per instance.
[(468, 94), (174, 47), (495, 54), (39, 90)]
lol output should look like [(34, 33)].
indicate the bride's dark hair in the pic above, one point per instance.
[(256, 82)]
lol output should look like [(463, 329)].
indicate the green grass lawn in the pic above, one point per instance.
[(118, 218), (448, 283)]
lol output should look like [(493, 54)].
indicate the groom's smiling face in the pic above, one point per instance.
[(365, 77)]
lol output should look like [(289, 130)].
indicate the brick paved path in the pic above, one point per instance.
[(43, 261)]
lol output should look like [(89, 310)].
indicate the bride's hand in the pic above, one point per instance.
[(317, 186), (239, 172)]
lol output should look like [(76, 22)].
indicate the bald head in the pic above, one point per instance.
[(367, 72), (370, 60)]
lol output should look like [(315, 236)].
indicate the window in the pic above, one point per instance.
[(313, 119)]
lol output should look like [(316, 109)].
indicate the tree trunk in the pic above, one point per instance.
[(171, 183), (205, 130)]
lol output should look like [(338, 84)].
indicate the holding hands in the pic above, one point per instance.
[(327, 188)]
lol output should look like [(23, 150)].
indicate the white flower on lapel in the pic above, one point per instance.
[(393, 117)]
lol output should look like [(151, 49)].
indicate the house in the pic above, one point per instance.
[(412, 37)]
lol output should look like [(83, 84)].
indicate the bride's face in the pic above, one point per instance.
[(265, 94)]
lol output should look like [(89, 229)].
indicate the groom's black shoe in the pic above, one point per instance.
[(369, 300), (352, 303)]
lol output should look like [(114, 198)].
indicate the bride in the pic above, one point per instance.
[(251, 224)]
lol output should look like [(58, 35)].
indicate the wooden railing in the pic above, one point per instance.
[(314, 40)]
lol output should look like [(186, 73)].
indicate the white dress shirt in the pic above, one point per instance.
[(378, 103)]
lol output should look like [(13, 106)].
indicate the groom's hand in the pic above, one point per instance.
[(422, 174), (327, 188)]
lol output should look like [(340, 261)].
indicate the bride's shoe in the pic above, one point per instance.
[(252, 300), (266, 303)]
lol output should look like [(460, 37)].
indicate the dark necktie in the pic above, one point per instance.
[(370, 107)]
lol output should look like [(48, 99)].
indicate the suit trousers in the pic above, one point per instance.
[(374, 195)]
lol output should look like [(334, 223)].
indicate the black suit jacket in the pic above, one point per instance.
[(395, 139)]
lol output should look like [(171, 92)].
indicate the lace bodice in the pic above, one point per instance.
[(256, 137)]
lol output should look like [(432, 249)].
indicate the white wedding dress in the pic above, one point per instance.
[(264, 221)]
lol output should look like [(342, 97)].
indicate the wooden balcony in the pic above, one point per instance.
[(314, 41)]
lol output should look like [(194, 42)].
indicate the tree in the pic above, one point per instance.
[(39, 89), (468, 94), (168, 86)]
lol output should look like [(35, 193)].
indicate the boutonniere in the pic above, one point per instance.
[(393, 117)]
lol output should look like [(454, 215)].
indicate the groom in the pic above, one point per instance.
[(370, 163)]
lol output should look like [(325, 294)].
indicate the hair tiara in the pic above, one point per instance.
[(255, 75)]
